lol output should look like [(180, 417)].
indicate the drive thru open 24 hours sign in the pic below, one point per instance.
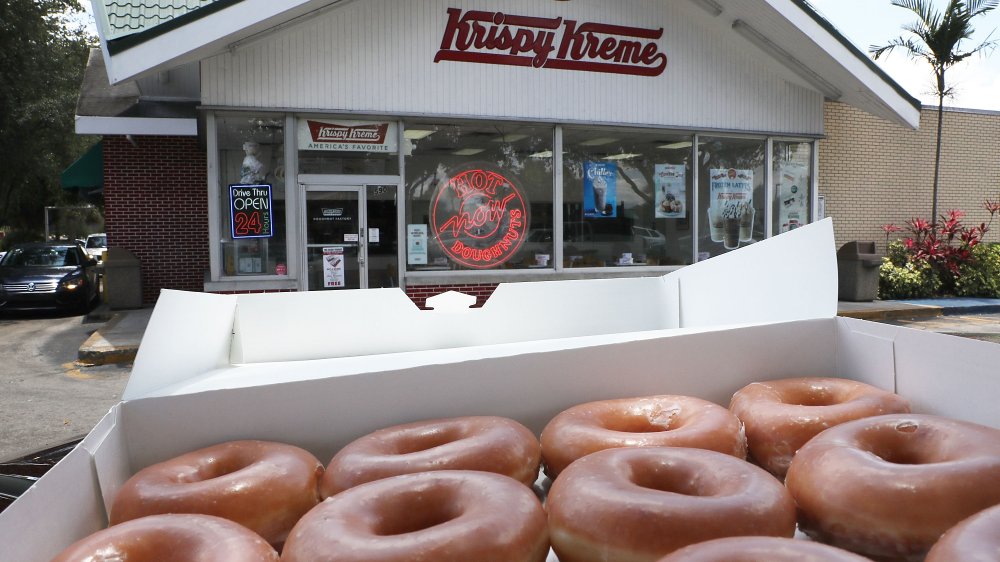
[(251, 211)]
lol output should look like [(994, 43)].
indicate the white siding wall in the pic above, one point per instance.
[(376, 56)]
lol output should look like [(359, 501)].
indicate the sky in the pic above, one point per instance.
[(976, 80), (875, 22)]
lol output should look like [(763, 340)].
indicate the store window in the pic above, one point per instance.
[(252, 192), (626, 198), (730, 194), (792, 175), (478, 195)]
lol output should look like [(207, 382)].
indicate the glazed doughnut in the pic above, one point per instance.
[(756, 549), (653, 421), (439, 516), (486, 443), (639, 504), (976, 539), (172, 538), (889, 486), (781, 415), (261, 485)]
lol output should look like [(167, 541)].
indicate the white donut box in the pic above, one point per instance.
[(323, 368)]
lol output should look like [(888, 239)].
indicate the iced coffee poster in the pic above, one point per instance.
[(600, 181), (670, 182), (333, 267), (793, 206), (730, 206)]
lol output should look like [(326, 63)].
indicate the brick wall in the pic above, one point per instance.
[(420, 293), (873, 172), (156, 206)]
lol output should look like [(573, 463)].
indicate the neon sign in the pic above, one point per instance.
[(251, 211), (479, 218)]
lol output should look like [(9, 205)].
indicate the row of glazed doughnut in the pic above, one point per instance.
[(634, 479)]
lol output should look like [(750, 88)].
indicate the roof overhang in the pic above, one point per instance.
[(103, 109), (204, 33), (813, 53)]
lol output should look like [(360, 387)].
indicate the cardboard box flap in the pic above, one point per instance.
[(737, 287), (792, 276), (190, 335)]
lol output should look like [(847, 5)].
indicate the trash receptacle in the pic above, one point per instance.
[(122, 279), (857, 271)]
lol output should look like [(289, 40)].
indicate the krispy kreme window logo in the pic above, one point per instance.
[(496, 38), (332, 132), (479, 217)]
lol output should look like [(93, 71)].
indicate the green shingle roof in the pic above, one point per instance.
[(127, 17)]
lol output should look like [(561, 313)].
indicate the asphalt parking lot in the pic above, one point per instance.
[(48, 398)]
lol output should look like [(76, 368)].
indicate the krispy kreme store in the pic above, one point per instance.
[(448, 144)]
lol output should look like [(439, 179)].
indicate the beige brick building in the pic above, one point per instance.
[(873, 172)]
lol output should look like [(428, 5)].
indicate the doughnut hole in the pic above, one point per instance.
[(414, 511), (906, 443), (425, 440), (673, 479)]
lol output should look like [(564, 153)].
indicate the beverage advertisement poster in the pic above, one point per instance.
[(793, 192), (600, 182), (730, 206), (670, 181), (416, 244), (333, 267)]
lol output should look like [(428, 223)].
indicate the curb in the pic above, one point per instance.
[(97, 350), (880, 314)]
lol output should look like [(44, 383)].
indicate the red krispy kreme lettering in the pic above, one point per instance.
[(483, 37), (332, 132)]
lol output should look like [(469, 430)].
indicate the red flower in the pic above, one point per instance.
[(890, 228), (919, 225)]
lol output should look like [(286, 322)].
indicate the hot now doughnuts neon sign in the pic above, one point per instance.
[(479, 218)]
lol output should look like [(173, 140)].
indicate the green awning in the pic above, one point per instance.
[(87, 172)]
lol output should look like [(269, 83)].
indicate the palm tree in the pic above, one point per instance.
[(938, 38)]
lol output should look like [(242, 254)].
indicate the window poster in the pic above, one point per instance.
[(793, 207), (333, 267), (416, 244), (730, 206), (670, 182), (600, 181)]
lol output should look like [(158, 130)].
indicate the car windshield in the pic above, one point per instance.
[(48, 256), (97, 241)]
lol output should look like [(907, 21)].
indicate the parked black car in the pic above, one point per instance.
[(51, 275)]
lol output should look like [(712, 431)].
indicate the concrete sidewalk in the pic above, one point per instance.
[(118, 339)]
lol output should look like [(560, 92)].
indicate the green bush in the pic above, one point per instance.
[(981, 277), (910, 280)]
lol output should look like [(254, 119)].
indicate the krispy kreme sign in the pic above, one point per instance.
[(349, 136), (479, 217), (484, 37)]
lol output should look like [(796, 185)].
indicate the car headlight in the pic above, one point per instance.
[(72, 282)]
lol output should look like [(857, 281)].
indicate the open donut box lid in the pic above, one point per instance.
[(321, 369)]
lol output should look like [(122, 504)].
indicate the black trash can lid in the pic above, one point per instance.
[(857, 250)]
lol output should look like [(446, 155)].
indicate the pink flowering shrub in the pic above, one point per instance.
[(933, 257)]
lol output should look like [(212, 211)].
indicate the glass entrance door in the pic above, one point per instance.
[(351, 236), (335, 244)]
